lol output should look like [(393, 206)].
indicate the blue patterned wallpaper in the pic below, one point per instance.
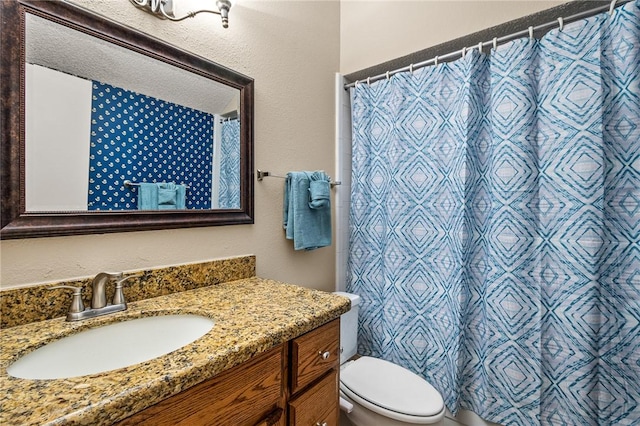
[(144, 139)]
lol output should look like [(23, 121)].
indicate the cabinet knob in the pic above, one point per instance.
[(324, 355), (322, 424)]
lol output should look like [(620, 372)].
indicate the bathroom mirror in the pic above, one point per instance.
[(92, 108)]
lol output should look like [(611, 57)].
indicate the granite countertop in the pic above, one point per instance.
[(251, 316)]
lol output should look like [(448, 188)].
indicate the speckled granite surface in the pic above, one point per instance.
[(251, 316), (37, 303)]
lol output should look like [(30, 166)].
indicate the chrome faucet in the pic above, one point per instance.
[(99, 305)]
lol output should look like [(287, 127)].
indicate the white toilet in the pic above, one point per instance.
[(382, 393)]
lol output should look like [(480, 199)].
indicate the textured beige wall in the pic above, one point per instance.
[(372, 32), (292, 51)]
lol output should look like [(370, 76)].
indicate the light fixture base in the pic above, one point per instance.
[(168, 7), (163, 9)]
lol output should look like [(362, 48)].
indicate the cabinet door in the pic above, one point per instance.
[(317, 406), (313, 354), (247, 395)]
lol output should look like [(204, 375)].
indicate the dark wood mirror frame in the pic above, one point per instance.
[(16, 222)]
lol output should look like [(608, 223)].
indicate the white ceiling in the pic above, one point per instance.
[(58, 47)]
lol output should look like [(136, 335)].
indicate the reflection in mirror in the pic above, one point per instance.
[(89, 104), (109, 129)]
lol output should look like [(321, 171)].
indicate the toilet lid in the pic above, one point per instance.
[(390, 387)]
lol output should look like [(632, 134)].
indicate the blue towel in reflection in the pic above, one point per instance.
[(148, 196), (309, 228), (161, 196)]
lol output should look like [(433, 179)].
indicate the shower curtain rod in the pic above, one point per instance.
[(494, 43)]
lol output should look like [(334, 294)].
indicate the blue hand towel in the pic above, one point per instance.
[(167, 196), (171, 196), (161, 196), (319, 191), (148, 196), (308, 228)]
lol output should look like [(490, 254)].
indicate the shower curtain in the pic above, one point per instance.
[(229, 190), (495, 225)]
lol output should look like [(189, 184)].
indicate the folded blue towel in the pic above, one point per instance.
[(161, 196), (309, 228), (167, 196), (319, 191)]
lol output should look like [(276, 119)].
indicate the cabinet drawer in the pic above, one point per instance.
[(314, 353), (318, 405), (246, 395)]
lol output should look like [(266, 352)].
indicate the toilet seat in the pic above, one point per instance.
[(391, 390)]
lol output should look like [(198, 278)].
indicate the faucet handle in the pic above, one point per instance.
[(123, 279), (118, 296), (76, 302)]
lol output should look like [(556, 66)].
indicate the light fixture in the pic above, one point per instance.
[(163, 9)]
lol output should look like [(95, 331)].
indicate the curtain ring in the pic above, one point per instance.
[(480, 47), (560, 23), (464, 52), (612, 7), (356, 84), (531, 33), (368, 81), (435, 61), (411, 68), (495, 43), (387, 75)]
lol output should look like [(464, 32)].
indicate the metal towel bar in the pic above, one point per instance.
[(263, 174), (127, 183)]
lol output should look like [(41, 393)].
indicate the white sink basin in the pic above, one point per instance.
[(111, 347)]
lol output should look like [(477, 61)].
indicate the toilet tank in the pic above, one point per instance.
[(349, 328)]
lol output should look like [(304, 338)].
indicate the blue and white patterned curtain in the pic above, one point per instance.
[(495, 225), (229, 189)]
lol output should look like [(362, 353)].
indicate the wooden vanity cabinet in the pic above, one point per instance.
[(294, 384), (252, 393), (314, 385)]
